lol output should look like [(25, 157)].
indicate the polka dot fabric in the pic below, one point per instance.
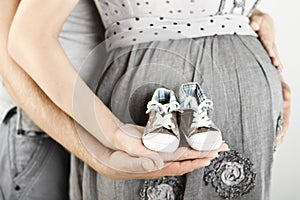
[(129, 22)]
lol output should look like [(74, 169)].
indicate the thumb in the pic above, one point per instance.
[(126, 163), (147, 164)]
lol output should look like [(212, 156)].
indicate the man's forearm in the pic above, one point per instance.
[(33, 101), (35, 30), (47, 115)]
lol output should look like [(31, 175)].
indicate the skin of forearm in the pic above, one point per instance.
[(37, 105), (50, 118), (62, 128), (7, 9), (47, 64)]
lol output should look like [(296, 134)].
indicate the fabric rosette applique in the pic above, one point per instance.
[(231, 174), (165, 188)]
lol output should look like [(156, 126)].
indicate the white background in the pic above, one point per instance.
[(286, 170)]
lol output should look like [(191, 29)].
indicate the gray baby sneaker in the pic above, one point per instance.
[(161, 132), (200, 132)]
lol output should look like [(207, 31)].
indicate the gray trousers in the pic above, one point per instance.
[(32, 165)]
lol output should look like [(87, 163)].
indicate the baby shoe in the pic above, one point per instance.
[(161, 132), (200, 132)]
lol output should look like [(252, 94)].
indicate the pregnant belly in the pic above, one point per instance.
[(218, 63)]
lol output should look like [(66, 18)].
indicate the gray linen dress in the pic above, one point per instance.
[(234, 71)]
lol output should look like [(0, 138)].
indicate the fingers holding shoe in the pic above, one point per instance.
[(187, 153), (129, 141)]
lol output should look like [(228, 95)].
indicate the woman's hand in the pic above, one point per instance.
[(120, 165), (182, 161), (263, 24), (128, 144), (286, 93)]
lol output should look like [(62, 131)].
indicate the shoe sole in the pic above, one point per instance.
[(161, 142), (207, 141)]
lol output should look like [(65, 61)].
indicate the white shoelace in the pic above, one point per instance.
[(164, 113), (201, 118)]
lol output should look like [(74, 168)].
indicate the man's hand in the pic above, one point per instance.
[(137, 160), (263, 24), (121, 165)]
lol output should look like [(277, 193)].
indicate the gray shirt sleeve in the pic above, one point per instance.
[(6, 103)]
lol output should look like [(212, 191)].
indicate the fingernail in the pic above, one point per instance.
[(280, 66), (278, 69), (148, 165), (271, 53), (255, 26), (208, 163), (214, 155), (227, 148)]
